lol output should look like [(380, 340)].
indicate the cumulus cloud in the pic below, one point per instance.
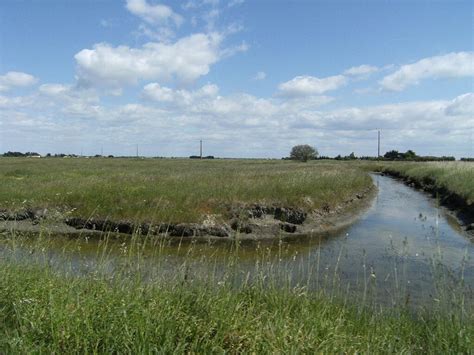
[(462, 105), (452, 65), (206, 102), (361, 70), (158, 93), (257, 126), (309, 85), (153, 14), (185, 60), (14, 102), (54, 89), (16, 79)]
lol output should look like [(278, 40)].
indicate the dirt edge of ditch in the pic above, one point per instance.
[(252, 222)]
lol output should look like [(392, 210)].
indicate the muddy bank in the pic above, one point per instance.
[(456, 204), (254, 221)]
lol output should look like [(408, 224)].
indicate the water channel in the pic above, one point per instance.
[(404, 249)]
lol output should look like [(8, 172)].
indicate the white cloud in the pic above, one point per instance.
[(211, 17), (431, 120), (169, 121), (194, 4), (462, 105), (54, 89), (206, 102), (69, 100), (163, 34), (67, 93), (185, 60), (230, 51), (309, 85), (205, 106), (261, 75), (155, 92), (14, 102), (16, 79), (361, 70), (153, 14), (452, 65)]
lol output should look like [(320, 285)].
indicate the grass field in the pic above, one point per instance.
[(178, 190)]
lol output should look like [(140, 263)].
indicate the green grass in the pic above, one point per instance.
[(178, 190), (44, 312)]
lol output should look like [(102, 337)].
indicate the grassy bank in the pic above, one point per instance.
[(178, 190), (44, 312), (456, 177)]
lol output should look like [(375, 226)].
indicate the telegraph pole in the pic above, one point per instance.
[(200, 149), (378, 144), (137, 150)]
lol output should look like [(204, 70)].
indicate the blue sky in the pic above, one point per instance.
[(250, 78)]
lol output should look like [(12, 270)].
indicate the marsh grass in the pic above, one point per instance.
[(128, 308), (171, 190)]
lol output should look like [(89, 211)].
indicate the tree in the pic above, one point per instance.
[(392, 155), (303, 152), (410, 155)]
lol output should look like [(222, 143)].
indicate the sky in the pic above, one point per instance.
[(251, 78)]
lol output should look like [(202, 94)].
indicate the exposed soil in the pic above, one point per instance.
[(456, 204), (254, 221)]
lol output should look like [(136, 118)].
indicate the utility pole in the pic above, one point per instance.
[(378, 144), (137, 150), (200, 149), (101, 150)]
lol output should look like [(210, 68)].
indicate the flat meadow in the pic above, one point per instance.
[(172, 190)]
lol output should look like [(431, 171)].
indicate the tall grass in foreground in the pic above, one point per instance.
[(46, 310)]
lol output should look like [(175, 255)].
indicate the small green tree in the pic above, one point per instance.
[(392, 155), (409, 155), (303, 152)]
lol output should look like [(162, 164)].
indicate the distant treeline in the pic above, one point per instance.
[(198, 157), (391, 155), (394, 155), (49, 155), (19, 154)]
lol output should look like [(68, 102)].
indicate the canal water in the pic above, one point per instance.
[(404, 250)]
